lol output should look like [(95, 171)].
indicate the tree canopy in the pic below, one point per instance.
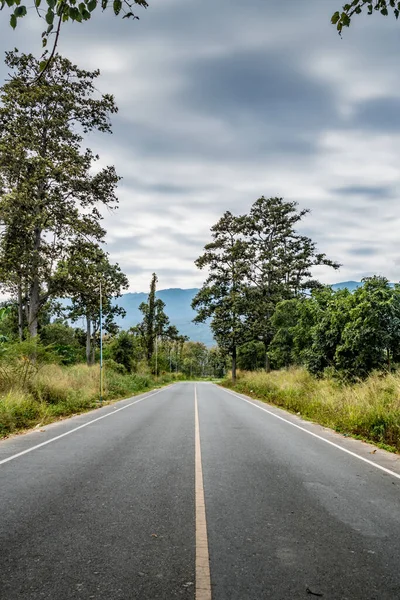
[(254, 262), (348, 334)]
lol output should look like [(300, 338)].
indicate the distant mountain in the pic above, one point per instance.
[(177, 307), (350, 285)]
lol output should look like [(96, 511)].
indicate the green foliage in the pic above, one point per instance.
[(5, 313), (349, 334), (65, 341), (344, 17), (251, 356), (121, 350), (195, 359), (56, 12)]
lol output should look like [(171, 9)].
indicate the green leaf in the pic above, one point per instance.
[(50, 17), (42, 65), (117, 5), (51, 3), (44, 42), (92, 5), (13, 21), (20, 11), (335, 18), (345, 19), (37, 3)]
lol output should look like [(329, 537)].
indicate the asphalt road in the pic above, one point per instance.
[(104, 506)]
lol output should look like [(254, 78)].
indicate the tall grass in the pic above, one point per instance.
[(54, 391), (369, 409)]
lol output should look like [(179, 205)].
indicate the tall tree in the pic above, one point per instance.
[(155, 322), (281, 262), (221, 297), (49, 194), (81, 275)]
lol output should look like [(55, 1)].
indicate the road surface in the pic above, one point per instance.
[(195, 492)]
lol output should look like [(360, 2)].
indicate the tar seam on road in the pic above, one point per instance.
[(369, 462), (58, 437), (203, 582)]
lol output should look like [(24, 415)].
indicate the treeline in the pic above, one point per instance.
[(156, 344), (254, 262), (267, 311), (153, 346)]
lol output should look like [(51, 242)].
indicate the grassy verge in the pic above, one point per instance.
[(58, 391), (369, 410)]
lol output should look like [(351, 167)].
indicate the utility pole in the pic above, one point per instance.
[(156, 355), (101, 347)]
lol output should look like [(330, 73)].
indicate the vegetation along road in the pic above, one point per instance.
[(193, 491)]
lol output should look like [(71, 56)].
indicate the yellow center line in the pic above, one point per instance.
[(203, 581)]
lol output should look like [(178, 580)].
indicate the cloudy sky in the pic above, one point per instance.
[(222, 102)]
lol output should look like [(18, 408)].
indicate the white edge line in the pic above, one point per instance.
[(319, 437), (58, 437)]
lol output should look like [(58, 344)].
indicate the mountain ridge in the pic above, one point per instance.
[(178, 308)]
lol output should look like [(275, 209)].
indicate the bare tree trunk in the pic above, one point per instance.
[(33, 309), (234, 364), (20, 313), (267, 363), (34, 295), (88, 341)]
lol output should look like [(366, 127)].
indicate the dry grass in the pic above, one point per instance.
[(369, 409), (56, 391)]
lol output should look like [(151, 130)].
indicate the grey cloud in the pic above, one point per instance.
[(364, 251), (259, 86), (373, 192), (379, 114), (130, 243), (229, 92)]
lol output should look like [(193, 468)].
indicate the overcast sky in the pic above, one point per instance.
[(222, 102)]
